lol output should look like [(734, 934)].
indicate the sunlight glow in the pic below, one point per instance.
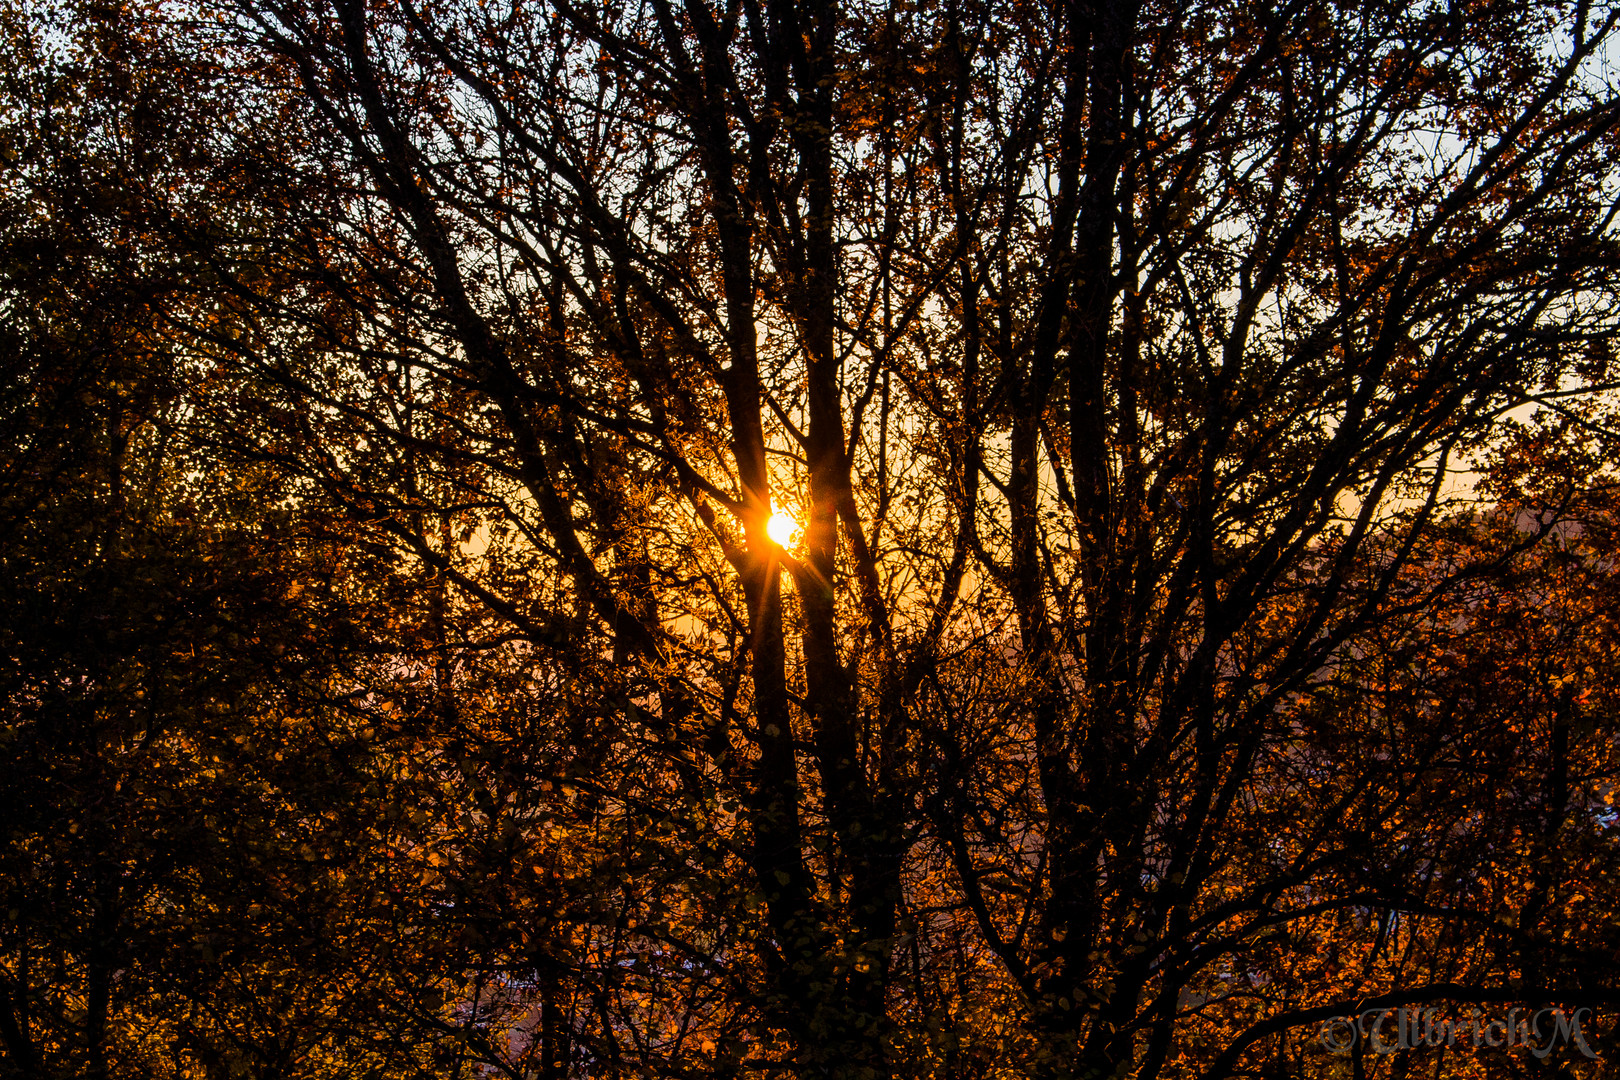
[(782, 528)]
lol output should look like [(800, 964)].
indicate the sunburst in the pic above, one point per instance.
[(782, 528)]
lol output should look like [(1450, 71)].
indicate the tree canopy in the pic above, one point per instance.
[(777, 538)]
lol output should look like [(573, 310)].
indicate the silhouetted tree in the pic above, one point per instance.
[(1126, 371)]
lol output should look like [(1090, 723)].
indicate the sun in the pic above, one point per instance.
[(782, 528)]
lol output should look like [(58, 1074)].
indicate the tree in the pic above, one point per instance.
[(1119, 363), (208, 814)]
